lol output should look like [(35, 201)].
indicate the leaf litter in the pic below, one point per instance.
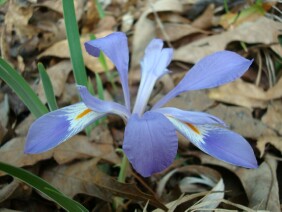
[(86, 167)]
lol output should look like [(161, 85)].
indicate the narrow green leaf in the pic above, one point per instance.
[(90, 87), (22, 89), (99, 9), (96, 123), (74, 43), (42, 186), (48, 88), (2, 2), (100, 88)]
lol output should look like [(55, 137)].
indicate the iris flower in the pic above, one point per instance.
[(150, 139)]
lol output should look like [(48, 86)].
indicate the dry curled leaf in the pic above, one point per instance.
[(273, 116), (249, 32), (191, 183), (13, 152), (261, 185), (246, 94), (86, 178), (238, 118), (77, 147), (264, 140), (145, 28)]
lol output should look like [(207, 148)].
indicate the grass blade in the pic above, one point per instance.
[(48, 88), (100, 88), (42, 186), (99, 9), (74, 43), (22, 89)]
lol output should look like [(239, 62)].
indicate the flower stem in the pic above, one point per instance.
[(123, 169), (118, 201)]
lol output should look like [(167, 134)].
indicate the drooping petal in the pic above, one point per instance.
[(150, 143), (115, 46), (153, 66), (102, 106), (211, 71), (190, 116), (218, 142), (57, 126)]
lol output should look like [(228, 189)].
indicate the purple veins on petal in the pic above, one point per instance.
[(115, 46), (150, 143), (211, 71), (55, 127), (218, 142)]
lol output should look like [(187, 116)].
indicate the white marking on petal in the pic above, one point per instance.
[(195, 133), (79, 118)]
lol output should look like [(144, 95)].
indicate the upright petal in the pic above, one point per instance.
[(102, 106), (115, 46), (57, 126), (218, 142), (150, 143), (153, 66), (211, 71), (190, 116)]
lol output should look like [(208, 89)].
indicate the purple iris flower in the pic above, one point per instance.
[(150, 139)]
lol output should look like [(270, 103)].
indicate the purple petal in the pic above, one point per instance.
[(230, 147), (211, 71), (57, 126), (115, 46), (190, 116), (102, 106), (220, 143), (153, 66), (150, 143)]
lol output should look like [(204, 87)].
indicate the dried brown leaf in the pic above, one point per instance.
[(240, 93), (77, 147), (261, 185), (264, 140), (57, 6), (238, 118), (13, 152), (145, 28), (204, 21), (249, 32), (61, 50), (206, 176), (273, 116), (22, 128), (58, 75), (192, 100), (246, 94), (176, 31), (80, 147), (85, 177)]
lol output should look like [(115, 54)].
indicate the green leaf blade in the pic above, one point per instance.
[(48, 88), (42, 186), (22, 89), (74, 43)]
